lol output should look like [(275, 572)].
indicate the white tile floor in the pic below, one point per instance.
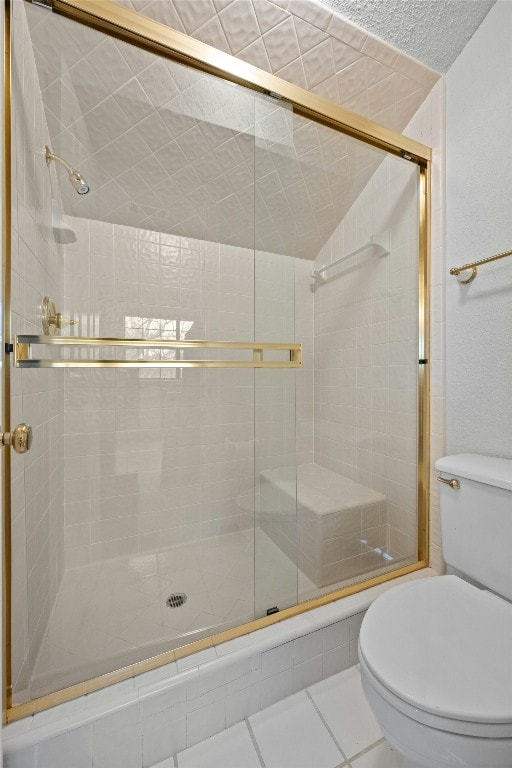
[(328, 725)]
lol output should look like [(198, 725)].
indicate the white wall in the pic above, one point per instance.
[(478, 193)]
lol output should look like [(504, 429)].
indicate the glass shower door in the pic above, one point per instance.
[(184, 478), (134, 524), (275, 460)]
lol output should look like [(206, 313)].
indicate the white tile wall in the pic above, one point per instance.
[(362, 430), (366, 349), (156, 458), (37, 396)]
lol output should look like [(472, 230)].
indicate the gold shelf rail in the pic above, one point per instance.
[(23, 353), (474, 264)]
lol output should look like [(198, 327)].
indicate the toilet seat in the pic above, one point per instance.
[(440, 650)]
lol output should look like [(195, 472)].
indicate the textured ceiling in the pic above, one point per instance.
[(167, 148), (432, 31)]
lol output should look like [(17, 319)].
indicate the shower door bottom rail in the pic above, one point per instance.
[(23, 349)]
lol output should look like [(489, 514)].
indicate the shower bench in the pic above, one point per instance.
[(338, 529)]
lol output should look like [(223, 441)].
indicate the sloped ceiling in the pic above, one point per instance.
[(433, 31), (167, 148)]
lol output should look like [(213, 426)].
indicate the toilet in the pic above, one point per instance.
[(436, 654)]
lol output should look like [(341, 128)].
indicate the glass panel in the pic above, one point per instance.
[(357, 390), (213, 214), (274, 288), (140, 483), (349, 509)]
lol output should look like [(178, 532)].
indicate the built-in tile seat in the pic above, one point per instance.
[(338, 529)]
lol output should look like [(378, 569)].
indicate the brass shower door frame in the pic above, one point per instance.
[(153, 36)]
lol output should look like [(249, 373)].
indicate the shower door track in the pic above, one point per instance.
[(132, 27)]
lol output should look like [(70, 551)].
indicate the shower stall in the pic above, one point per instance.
[(216, 306)]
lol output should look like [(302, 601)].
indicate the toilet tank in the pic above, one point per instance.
[(476, 518)]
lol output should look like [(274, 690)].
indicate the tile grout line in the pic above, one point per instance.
[(254, 742), (367, 749), (331, 734)]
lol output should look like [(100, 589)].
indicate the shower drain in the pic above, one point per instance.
[(176, 600)]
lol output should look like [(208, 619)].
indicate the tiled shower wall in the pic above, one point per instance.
[(365, 393), (126, 492), (37, 396), (155, 458), (330, 57), (129, 492), (309, 45), (365, 344)]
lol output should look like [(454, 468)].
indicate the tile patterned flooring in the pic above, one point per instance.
[(328, 725)]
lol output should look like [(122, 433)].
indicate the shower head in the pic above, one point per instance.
[(77, 181)]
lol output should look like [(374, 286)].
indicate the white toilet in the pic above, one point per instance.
[(436, 654)]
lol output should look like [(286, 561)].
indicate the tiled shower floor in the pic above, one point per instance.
[(113, 613)]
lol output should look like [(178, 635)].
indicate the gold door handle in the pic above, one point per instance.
[(20, 439), (449, 481)]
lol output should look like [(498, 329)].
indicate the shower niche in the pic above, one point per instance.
[(225, 408)]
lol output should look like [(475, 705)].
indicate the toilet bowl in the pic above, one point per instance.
[(436, 668), (436, 654)]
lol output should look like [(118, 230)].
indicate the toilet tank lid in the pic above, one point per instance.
[(483, 469)]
